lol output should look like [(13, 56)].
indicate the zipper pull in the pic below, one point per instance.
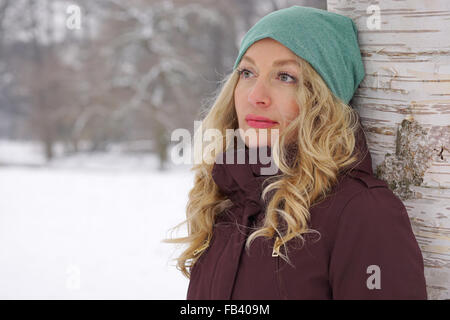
[(275, 251), (201, 248)]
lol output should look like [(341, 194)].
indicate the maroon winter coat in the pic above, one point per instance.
[(362, 224)]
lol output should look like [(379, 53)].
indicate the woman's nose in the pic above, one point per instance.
[(259, 95)]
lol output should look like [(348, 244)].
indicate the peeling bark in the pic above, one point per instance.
[(411, 160)]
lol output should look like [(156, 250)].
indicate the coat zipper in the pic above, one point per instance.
[(201, 248)]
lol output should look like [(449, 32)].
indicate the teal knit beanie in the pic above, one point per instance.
[(327, 40)]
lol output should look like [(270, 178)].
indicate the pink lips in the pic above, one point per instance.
[(259, 122)]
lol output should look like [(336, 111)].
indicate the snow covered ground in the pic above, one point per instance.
[(89, 227)]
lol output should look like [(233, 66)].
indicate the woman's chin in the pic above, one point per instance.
[(262, 142), (258, 137)]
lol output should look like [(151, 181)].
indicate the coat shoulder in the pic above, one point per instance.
[(362, 197), (360, 186), (355, 187), (368, 180), (352, 184)]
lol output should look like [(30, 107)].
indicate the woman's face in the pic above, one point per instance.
[(266, 88)]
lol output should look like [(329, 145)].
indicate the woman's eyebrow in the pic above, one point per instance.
[(276, 63)]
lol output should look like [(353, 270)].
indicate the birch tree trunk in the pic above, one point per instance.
[(404, 104)]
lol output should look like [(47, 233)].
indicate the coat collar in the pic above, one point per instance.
[(243, 182), (239, 181)]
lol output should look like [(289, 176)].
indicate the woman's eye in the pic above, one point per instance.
[(243, 71), (282, 75)]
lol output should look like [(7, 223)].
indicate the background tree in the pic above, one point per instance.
[(131, 74)]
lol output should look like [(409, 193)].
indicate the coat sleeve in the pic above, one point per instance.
[(375, 254)]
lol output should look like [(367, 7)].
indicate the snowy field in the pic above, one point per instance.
[(89, 227)]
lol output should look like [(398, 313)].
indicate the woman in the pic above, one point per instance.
[(322, 227)]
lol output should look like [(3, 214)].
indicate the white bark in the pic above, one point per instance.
[(407, 62)]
